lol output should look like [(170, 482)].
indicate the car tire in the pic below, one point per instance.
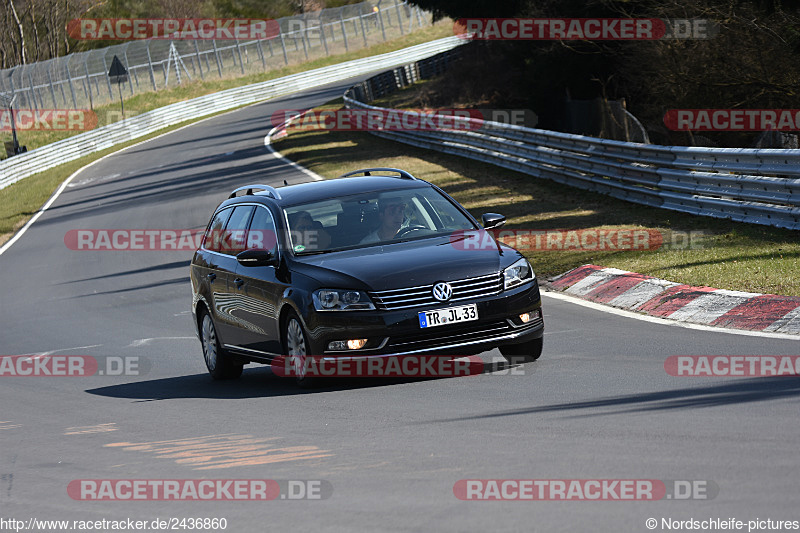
[(525, 352), (296, 347), (218, 361)]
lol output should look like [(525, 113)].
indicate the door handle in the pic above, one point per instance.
[(211, 276), (239, 282)]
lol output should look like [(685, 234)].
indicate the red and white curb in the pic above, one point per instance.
[(684, 303)]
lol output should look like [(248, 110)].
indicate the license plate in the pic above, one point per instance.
[(450, 315)]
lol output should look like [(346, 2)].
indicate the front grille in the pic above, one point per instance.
[(463, 289)]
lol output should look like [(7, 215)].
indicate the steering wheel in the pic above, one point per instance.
[(409, 229)]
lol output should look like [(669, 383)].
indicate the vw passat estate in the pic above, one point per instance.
[(372, 264)]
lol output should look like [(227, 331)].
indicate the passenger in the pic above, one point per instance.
[(307, 232)]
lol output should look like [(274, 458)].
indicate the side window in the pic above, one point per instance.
[(236, 230), (212, 240), (262, 234)]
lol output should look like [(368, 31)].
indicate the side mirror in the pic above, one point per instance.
[(252, 258), (492, 220)]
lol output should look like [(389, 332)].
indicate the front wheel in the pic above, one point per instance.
[(296, 347), (218, 361), (525, 352)]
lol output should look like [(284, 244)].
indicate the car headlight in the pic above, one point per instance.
[(341, 300), (517, 274)]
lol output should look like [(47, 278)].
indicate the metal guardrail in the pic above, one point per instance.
[(760, 186), (20, 166)]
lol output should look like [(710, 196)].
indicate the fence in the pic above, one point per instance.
[(20, 166), (760, 186), (81, 80)]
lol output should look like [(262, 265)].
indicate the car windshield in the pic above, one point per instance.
[(369, 219)]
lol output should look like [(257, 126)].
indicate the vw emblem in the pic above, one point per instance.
[(442, 291)]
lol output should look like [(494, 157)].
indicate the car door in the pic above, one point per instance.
[(260, 289), (228, 299), (210, 268)]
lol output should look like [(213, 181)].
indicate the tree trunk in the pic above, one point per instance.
[(22, 57)]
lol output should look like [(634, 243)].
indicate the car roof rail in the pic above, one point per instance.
[(268, 190), (368, 172)]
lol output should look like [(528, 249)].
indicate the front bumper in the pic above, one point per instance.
[(398, 332)]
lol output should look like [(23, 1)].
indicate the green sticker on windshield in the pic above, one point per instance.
[(299, 248)]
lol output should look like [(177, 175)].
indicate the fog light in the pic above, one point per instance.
[(525, 317), (356, 344), (352, 344)]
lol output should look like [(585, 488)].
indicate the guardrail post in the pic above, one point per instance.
[(283, 47), (418, 11), (108, 80), (11, 82), (69, 80), (239, 53), (388, 17), (150, 65), (88, 80), (361, 19), (304, 36), (322, 37), (399, 18), (33, 91), (216, 56), (260, 49), (383, 29), (344, 30), (130, 70), (52, 89), (199, 62)]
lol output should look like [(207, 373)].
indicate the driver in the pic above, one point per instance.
[(391, 214)]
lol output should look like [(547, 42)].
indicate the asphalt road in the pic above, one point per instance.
[(597, 405)]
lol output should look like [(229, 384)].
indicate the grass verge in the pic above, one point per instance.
[(720, 253)]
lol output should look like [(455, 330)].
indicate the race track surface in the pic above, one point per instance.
[(597, 405)]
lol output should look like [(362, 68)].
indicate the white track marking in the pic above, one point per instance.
[(51, 352), (268, 143), (145, 342)]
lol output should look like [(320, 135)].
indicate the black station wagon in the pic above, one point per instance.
[(373, 264)]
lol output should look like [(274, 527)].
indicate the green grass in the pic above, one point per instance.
[(728, 255), (20, 201)]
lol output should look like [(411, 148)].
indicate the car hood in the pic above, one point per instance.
[(404, 264)]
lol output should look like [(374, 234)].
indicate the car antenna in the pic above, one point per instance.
[(285, 182)]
